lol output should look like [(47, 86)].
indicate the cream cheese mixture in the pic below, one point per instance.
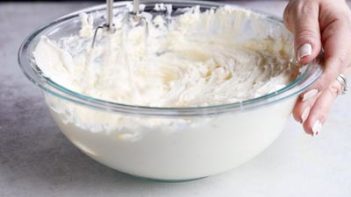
[(194, 59), (191, 59)]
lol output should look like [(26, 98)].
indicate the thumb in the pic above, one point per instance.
[(304, 24)]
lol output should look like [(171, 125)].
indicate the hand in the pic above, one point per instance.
[(316, 25)]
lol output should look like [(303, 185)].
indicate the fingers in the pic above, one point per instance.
[(312, 111), (302, 19), (330, 23), (321, 108), (336, 39), (312, 108), (303, 106)]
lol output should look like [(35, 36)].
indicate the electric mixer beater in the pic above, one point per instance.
[(133, 18)]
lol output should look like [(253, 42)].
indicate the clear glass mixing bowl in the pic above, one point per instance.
[(166, 143)]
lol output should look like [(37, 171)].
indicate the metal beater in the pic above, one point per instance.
[(133, 17)]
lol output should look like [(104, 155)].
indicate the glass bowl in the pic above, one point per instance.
[(166, 143)]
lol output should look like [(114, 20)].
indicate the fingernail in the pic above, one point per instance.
[(305, 114), (309, 95), (304, 50), (317, 126)]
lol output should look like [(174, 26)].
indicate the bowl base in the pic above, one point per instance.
[(162, 180)]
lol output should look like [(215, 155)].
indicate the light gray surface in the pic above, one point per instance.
[(37, 160)]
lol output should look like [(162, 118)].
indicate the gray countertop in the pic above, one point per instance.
[(37, 160)]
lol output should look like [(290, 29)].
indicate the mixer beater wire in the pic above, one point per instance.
[(135, 19)]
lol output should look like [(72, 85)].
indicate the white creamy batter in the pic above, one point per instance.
[(195, 59)]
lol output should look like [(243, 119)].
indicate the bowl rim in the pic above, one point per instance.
[(312, 73)]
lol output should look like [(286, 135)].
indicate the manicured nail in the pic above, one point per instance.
[(304, 50), (309, 95), (317, 126), (305, 114)]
